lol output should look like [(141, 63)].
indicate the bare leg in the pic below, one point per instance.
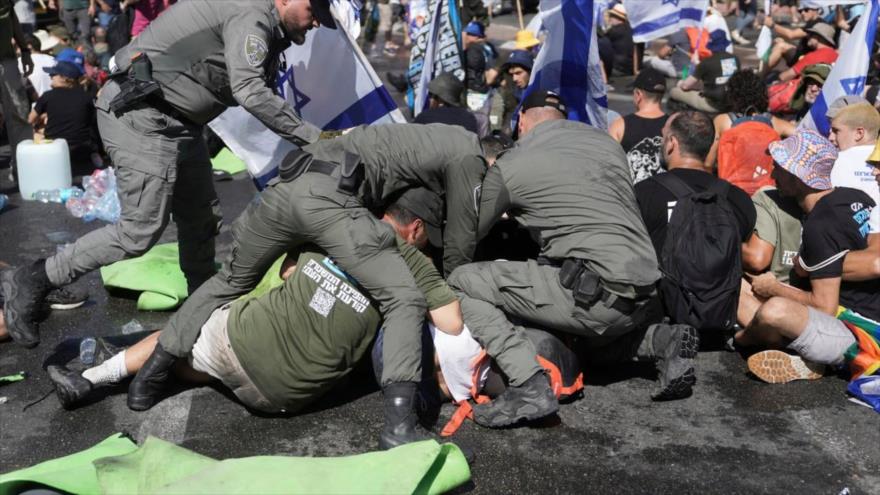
[(748, 305), (776, 323), (136, 356)]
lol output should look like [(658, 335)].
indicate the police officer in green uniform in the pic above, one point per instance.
[(326, 194), (569, 184), (198, 58)]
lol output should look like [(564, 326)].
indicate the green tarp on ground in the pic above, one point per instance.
[(228, 162), (117, 465), (157, 276)]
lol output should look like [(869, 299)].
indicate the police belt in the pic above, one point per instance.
[(588, 288)]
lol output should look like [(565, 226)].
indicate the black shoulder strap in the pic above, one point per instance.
[(673, 184), (721, 188)]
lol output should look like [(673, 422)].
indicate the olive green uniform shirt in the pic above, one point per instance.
[(296, 341)]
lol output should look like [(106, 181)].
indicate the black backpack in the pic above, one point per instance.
[(701, 257)]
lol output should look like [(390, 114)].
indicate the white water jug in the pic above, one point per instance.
[(43, 165)]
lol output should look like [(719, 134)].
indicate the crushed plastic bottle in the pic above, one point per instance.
[(4, 199), (133, 326), (99, 200), (58, 195), (87, 350)]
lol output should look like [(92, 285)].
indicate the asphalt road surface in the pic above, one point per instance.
[(734, 435)]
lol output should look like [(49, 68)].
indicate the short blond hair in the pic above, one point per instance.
[(860, 115)]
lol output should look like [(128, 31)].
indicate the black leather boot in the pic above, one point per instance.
[(144, 390), (70, 386), (401, 422), (24, 289)]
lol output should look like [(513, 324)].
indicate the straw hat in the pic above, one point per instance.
[(47, 41), (525, 39), (618, 11)]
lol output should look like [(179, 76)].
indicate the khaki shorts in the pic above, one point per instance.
[(213, 354), (824, 340)]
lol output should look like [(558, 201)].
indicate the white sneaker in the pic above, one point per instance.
[(738, 38), (781, 367)]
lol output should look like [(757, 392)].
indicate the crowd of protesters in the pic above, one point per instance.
[(705, 211)]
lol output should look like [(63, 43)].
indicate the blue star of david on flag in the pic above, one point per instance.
[(668, 2), (299, 98), (853, 85)]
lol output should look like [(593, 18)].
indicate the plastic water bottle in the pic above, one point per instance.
[(133, 326), (87, 350), (3, 200), (57, 195)]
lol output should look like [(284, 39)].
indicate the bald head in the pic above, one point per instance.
[(534, 116)]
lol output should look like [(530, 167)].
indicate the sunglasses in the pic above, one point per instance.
[(801, 11)]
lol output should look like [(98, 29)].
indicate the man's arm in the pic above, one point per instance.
[(689, 84), (788, 75), (27, 64), (494, 201), (824, 294), (617, 129), (247, 39), (463, 182), (757, 254), (862, 265), (787, 33)]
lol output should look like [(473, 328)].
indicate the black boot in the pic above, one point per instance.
[(674, 350), (401, 422), (24, 289), (70, 386), (150, 380), (530, 401)]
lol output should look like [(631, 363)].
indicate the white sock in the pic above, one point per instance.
[(110, 371)]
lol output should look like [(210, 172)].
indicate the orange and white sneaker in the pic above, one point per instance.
[(781, 367)]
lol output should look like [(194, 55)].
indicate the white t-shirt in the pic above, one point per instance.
[(41, 81), (457, 354), (852, 170), (24, 11)]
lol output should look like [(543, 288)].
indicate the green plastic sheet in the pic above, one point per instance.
[(161, 283), (228, 162), (117, 466), (156, 275)]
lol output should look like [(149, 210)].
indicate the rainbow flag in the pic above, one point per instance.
[(863, 357)]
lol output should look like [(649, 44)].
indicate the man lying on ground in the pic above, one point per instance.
[(804, 321), (280, 351)]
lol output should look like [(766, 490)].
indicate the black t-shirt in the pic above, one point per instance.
[(641, 142), (656, 204), (71, 112), (714, 73), (838, 224)]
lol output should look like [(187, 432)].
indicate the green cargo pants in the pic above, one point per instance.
[(495, 292), (309, 210), (162, 169)]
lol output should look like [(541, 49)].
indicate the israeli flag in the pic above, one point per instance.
[(327, 80), (849, 73), (568, 62), (652, 19)]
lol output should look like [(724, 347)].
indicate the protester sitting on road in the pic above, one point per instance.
[(687, 137), (808, 89), (820, 49), (855, 126), (639, 133), (803, 320), (40, 80), (67, 112), (745, 98), (514, 79), (704, 89), (445, 105), (616, 44), (284, 349), (784, 47), (775, 243), (661, 61)]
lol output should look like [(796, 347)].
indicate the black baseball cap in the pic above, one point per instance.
[(650, 79), (544, 98), (321, 11), (428, 206)]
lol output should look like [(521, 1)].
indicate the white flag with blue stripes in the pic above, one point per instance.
[(328, 81), (849, 73), (652, 19), (568, 62)]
